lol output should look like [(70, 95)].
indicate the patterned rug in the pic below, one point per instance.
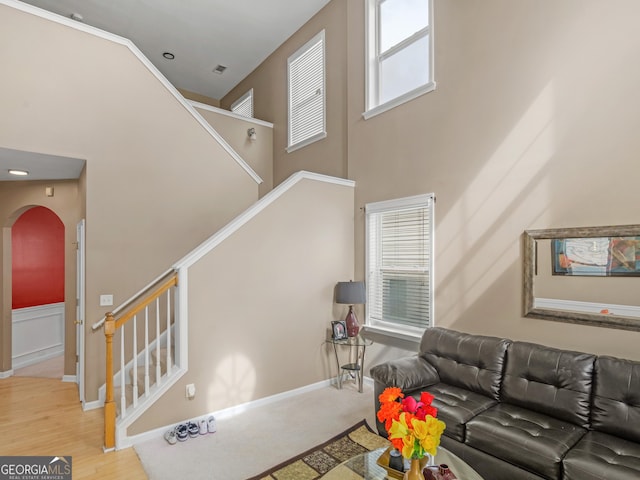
[(319, 460)]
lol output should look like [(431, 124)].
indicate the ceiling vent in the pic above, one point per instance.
[(219, 69)]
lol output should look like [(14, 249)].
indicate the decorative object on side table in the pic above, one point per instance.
[(438, 472), (413, 428), (351, 293), (339, 330)]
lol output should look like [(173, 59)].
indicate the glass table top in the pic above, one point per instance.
[(365, 466)]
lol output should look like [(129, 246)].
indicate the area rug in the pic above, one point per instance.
[(317, 461)]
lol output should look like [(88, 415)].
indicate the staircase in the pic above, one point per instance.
[(136, 381), (144, 343)]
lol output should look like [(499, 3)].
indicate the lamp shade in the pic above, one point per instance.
[(350, 293)]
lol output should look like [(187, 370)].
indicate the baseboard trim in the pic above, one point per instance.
[(92, 405), (227, 412), (69, 378), (7, 374)]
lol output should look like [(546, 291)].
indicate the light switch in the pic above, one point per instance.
[(106, 300)]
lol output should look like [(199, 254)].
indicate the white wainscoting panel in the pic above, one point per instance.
[(37, 334)]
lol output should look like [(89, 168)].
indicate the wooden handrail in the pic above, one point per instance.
[(110, 327), (155, 294)]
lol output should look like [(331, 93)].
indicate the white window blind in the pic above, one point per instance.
[(306, 73), (399, 264), (244, 105)]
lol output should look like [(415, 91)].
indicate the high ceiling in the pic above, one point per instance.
[(201, 34)]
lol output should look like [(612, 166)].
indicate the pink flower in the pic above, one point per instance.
[(410, 405)]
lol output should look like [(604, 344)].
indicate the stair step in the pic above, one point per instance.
[(128, 393), (140, 375), (163, 357)]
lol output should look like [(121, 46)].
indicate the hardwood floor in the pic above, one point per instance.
[(41, 416)]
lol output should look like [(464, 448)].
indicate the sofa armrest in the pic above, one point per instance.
[(408, 373)]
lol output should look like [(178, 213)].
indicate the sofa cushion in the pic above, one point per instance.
[(530, 440), (456, 406), (473, 362), (408, 373), (599, 456), (550, 381), (616, 398)]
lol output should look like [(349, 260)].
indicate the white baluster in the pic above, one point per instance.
[(158, 355), (135, 360), (123, 382), (169, 329), (146, 352)]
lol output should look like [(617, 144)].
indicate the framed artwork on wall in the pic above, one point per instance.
[(596, 256)]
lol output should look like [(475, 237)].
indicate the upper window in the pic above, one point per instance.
[(306, 82), (244, 105), (399, 253), (399, 52)]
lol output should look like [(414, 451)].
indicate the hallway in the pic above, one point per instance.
[(40, 416)]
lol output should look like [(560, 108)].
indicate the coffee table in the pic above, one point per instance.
[(365, 466)]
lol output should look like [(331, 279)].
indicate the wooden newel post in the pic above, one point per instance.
[(109, 404)]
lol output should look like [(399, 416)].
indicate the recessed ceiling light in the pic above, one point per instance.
[(14, 171), (219, 69), (168, 55)]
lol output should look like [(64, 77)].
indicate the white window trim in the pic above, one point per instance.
[(244, 97), (388, 328), (371, 65), (320, 135)]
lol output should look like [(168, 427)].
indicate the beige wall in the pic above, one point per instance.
[(532, 117), (196, 97), (15, 199), (533, 124), (269, 83), (261, 303), (257, 153), (157, 184)]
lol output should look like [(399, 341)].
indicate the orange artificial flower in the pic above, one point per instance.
[(390, 394)]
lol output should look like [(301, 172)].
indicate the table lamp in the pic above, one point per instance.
[(351, 293)]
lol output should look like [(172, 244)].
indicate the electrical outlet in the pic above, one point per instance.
[(106, 300)]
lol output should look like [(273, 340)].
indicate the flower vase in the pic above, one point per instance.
[(427, 461), (415, 471)]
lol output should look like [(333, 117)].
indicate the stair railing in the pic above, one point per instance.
[(113, 325)]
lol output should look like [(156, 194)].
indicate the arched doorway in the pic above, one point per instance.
[(38, 282)]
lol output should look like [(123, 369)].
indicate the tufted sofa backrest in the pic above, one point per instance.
[(616, 398), (473, 362), (550, 381)]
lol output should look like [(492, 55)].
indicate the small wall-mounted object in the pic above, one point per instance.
[(190, 391), (48, 191), (106, 300), (252, 134)]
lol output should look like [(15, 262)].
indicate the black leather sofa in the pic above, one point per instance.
[(522, 411)]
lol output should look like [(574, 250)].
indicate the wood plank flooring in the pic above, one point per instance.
[(41, 416)]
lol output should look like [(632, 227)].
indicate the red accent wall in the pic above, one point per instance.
[(37, 251)]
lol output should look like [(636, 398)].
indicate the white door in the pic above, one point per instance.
[(80, 309)]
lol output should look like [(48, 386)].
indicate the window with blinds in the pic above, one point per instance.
[(399, 264), (306, 77), (244, 105)]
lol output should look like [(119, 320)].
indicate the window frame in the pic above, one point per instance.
[(383, 326), (247, 96), (291, 147), (373, 60)]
